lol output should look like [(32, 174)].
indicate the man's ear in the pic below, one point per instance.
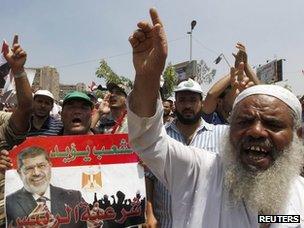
[(300, 132)]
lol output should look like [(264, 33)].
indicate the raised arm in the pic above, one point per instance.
[(16, 57), (150, 50), (211, 100), (102, 109)]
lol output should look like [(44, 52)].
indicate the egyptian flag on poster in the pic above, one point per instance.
[(70, 181)]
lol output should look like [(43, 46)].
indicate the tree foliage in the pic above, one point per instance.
[(170, 80), (104, 71)]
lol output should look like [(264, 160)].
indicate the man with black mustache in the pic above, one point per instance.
[(42, 123), (258, 171), (112, 112), (76, 114), (190, 129), (76, 117)]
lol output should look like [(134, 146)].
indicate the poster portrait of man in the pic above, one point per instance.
[(73, 184)]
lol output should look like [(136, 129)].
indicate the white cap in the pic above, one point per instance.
[(189, 85), (275, 91), (46, 93)]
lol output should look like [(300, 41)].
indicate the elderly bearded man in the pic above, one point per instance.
[(258, 173)]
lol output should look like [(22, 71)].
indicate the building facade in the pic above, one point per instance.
[(47, 77)]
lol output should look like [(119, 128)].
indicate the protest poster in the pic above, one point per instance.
[(79, 175)]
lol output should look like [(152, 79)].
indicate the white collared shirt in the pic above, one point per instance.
[(47, 194), (195, 179)]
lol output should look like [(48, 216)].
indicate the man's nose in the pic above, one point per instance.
[(258, 130), (36, 171), (77, 110), (188, 105)]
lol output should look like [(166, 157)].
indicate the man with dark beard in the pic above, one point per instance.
[(259, 174), (190, 129)]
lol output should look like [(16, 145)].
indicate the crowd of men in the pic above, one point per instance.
[(218, 160)]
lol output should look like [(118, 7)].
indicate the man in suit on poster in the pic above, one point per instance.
[(38, 196)]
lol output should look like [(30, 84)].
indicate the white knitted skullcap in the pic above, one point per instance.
[(275, 91)]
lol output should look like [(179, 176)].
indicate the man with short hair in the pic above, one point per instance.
[(42, 123), (38, 196), (257, 173)]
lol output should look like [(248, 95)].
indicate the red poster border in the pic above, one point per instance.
[(81, 150)]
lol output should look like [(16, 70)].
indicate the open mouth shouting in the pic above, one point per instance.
[(257, 155), (76, 121)]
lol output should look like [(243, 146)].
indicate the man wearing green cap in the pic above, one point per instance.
[(76, 114), (76, 118)]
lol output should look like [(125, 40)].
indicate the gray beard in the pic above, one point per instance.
[(265, 191)]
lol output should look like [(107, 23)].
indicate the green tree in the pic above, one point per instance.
[(170, 80), (104, 71)]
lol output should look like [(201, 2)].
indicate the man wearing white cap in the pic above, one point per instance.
[(190, 129), (42, 123), (256, 174)]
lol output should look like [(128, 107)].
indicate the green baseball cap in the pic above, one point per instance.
[(76, 95)]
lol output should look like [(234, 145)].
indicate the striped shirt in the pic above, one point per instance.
[(208, 137), (51, 126)]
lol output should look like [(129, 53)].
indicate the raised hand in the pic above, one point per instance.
[(104, 107), (16, 57), (239, 80), (241, 55), (150, 47)]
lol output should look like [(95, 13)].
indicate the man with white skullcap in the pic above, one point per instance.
[(257, 172)]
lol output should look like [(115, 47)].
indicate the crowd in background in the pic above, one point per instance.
[(190, 115)]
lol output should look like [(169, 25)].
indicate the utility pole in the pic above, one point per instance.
[(193, 24)]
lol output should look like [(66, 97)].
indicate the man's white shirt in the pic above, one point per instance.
[(47, 195), (195, 179)]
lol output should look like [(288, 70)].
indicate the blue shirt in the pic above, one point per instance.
[(208, 137), (51, 126)]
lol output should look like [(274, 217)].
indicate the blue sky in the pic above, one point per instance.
[(64, 33)]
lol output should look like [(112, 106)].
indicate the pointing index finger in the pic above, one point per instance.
[(154, 17), (15, 41)]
